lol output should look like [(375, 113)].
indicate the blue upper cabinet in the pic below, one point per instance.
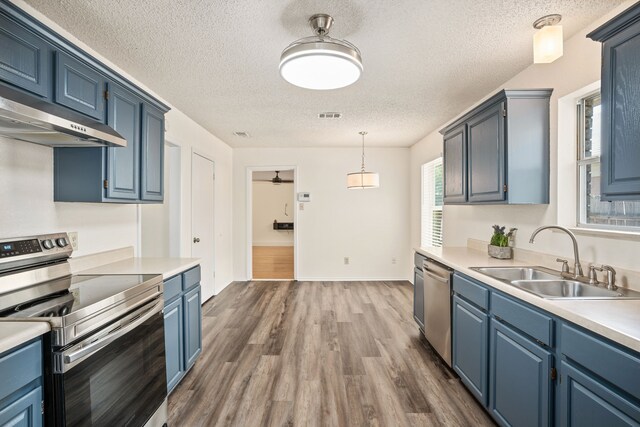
[(123, 164), (79, 87), (24, 58), (486, 155), (454, 150), (620, 105), (499, 151), (152, 149)]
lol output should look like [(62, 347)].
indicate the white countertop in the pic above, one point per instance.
[(168, 267), (13, 334), (618, 320)]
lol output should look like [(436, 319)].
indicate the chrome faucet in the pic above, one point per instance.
[(577, 267)]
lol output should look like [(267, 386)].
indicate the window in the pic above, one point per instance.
[(592, 212), (432, 194)]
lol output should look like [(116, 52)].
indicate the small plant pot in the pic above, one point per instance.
[(500, 252)]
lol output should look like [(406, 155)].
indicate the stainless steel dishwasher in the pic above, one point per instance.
[(437, 307)]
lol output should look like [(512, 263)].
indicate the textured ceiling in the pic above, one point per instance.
[(217, 61)]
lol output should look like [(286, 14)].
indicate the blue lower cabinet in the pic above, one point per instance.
[(21, 386), (193, 325), (173, 341), (182, 324), (470, 347), (586, 401), (26, 411), (520, 381)]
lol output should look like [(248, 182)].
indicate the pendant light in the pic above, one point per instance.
[(547, 41), (320, 62), (361, 180)]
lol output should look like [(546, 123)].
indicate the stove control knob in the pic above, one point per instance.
[(50, 314), (62, 242), (48, 244), (63, 311)]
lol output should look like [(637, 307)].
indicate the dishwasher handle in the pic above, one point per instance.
[(434, 274)]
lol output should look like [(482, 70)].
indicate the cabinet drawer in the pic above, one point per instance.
[(471, 291), (172, 288), (19, 367), (537, 325), (191, 278), (614, 364)]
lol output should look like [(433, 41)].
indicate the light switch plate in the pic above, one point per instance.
[(73, 239)]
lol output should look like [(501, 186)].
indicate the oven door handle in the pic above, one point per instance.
[(126, 325)]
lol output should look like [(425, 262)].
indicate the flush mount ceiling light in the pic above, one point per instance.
[(361, 180), (320, 62), (547, 41)]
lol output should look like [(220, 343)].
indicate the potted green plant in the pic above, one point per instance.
[(499, 246)]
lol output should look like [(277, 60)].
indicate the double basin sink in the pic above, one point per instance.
[(550, 284)]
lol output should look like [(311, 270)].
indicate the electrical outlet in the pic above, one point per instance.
[(73, 239), (301, 206), (346, 260), (394, 260)]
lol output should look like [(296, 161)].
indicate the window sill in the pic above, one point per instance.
[(606, 234)]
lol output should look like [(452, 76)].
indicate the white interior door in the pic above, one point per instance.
[(202, 205)]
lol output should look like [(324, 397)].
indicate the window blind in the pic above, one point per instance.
[(431, 206)]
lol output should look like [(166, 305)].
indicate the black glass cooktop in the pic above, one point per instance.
[(67, 295)]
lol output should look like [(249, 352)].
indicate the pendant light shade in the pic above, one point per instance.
[(321, 62), (547, 41), (363, 179)]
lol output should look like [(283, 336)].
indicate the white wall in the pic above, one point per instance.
[(27, 207), (369, 226), (579, 67), (26, 204), (269, 202)]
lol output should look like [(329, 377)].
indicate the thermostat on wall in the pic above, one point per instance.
[(304, 197)]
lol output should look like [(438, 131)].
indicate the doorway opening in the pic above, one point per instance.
[(273, 218)]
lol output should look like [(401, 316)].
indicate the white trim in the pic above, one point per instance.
[(249, 216), (611, 234), (213, 215)]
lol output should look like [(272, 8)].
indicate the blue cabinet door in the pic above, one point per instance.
[(26, 411), (486, 155), (123, 170), (586, 401), (455, 165), (520, 379), (24, 58), (418, 298), (152, 149), (79, 87), (470, 347), (193, 326), (174, 342), (620, 109)]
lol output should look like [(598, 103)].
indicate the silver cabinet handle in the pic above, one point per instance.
[(116, 333), (434, 276), (196, 240)]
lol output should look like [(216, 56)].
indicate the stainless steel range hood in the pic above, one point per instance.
[(27, 118)]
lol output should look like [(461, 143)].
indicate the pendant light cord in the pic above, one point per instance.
[(363, 134)]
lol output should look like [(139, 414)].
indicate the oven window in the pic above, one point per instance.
[(123, 384)]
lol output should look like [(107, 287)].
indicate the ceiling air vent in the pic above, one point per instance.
[(330, 115), (241, 134)]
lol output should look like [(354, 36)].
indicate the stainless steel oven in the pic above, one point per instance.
[(115, 377), (104, 359)]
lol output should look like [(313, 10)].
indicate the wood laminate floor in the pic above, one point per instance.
[(272, 262), (318, 354)]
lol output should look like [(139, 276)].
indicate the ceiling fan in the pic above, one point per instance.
[(276, 180)]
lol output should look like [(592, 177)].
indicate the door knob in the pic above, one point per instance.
[(196, 240)]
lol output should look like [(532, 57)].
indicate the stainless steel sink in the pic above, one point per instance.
[(569, 289), (549, 284), (509, 274)]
